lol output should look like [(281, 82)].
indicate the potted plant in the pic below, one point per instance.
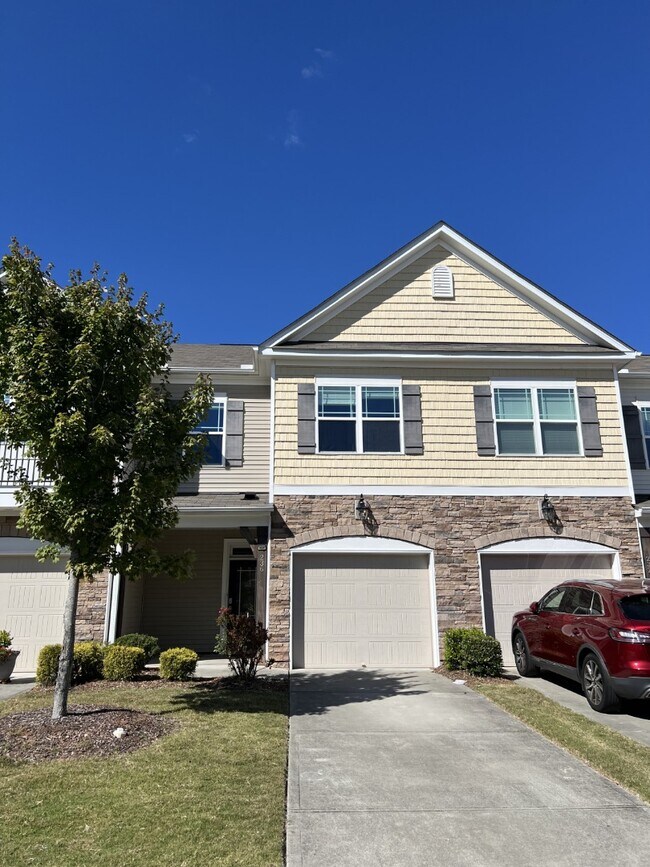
[(8, 656)]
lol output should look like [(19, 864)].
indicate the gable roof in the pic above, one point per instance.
[(443, 235)]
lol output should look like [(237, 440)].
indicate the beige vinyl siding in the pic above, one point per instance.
[(633, 390), (402, 309), (253, 475), (185, 612), (449, 433)]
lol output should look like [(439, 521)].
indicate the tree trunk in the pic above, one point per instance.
[(64, 674)]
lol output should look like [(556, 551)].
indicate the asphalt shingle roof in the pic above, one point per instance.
[(212, 356)]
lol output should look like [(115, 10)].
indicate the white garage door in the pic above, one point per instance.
[(351, 610), (512, 581), (32, 595)]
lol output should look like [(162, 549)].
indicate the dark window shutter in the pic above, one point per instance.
[(306, 418), (412, 411), (235, 433), (485, 443), (591, 442), (634, 437)]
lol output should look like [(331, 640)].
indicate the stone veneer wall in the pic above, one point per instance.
[(455, 527), (91, 605)]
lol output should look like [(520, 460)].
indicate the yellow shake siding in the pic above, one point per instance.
[(402, 309), (449, 434), (253, 475)]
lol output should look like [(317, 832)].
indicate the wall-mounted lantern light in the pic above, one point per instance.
[(361, 509)]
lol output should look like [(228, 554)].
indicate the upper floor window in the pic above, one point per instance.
[(645, 430), (536, 419), (213, 426), (359, 417)]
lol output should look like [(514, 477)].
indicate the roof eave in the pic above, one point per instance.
[(441, 233)]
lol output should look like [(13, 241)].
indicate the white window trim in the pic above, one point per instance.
[(641, 405), (358, 384), (218, 398), (534, 385)]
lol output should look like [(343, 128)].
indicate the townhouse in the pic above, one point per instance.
[(436, 444)]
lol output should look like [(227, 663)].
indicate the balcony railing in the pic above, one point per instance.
[(15, 464)]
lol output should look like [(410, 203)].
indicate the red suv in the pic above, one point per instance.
[(594, 632)]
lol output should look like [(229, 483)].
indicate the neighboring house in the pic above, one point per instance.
[(635, 397), (224, 518), (387, 459)]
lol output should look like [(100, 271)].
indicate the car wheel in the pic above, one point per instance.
[(596, 685), (525, 665)]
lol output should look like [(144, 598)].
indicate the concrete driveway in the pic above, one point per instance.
[(406, 768)]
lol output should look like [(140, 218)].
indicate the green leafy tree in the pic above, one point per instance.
[(85, 368)]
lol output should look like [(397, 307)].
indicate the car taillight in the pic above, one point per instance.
[(630, 636)]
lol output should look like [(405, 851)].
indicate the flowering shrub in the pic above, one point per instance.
[(242, 640), (5, 645)]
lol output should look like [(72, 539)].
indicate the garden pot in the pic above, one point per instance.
[(7, 666)]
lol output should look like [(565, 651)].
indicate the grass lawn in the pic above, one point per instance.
[(210, 793), (621, 759)]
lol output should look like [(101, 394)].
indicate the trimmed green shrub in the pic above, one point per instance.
[(148, 643), (474, 651), (454, 644), (48, 664), (178, 663), (242, 640), (123, 663), (87, 662), (482, 654)]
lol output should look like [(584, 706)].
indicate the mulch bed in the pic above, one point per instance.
[(87, 732)]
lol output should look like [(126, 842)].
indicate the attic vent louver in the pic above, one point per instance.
[(442, 282)]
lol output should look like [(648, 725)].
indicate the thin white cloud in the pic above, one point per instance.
[(311, 71), (292, 137), (315, 68), (190, 137)]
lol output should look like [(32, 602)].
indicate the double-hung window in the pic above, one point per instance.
[(213, 428), (359, 416), (536, 419), (645, 430)]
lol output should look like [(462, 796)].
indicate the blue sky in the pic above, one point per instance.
[(242, 160)]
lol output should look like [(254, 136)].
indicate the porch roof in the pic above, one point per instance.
[(223, 510)]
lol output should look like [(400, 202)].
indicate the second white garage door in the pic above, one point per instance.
[(351, 610), (32, 596), (512, 581)]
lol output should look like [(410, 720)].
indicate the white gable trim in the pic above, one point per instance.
[(445, 236)]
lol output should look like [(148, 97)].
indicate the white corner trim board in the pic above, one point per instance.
[(451, 490)]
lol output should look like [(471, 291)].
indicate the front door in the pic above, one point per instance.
[(241, 586)]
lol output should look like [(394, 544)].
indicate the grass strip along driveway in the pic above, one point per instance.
[(621, 759), (211, 792)]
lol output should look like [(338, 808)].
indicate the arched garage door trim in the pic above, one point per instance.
[(545, 546), (332, 541)]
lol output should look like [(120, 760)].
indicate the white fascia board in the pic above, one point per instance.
[(451, 490), (332, 356), (445, 236)]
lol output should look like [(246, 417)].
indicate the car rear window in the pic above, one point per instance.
[(636, 607)]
